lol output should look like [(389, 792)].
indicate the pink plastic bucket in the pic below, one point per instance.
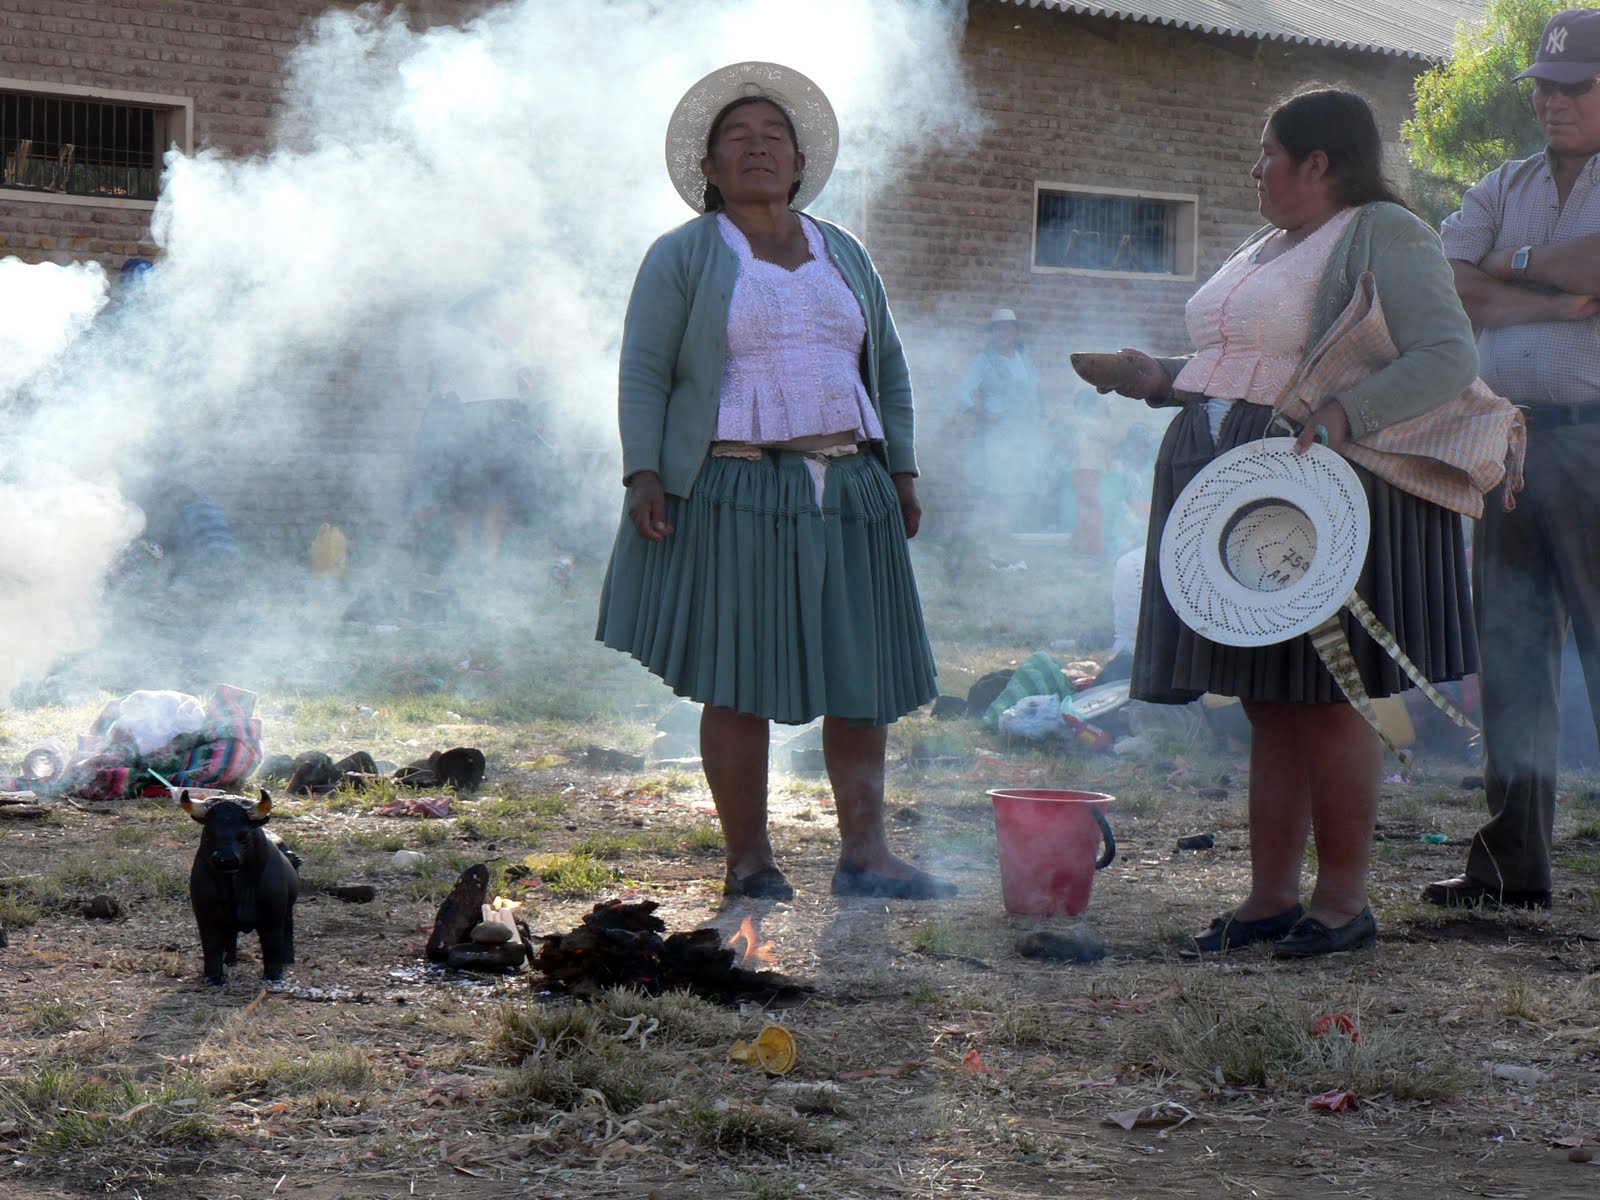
[(1048, 842)]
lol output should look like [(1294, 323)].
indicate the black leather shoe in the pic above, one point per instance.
[(847, 881), (1227, 933), (1462, 892), (766, 884), (1310, 938)]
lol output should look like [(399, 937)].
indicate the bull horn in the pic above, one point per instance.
[(263, 806), (189, 806)]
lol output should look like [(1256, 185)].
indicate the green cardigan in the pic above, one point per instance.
[(675, 342), (1438, 355)]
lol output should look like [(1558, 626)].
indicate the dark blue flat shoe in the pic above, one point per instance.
[(1227, 932), (847, 881), (1310, 938), (768, 883)]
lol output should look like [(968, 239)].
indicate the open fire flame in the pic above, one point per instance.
[(747, 944)]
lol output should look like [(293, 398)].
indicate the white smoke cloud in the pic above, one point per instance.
[(55, 543), (43, 308), (522, 151)]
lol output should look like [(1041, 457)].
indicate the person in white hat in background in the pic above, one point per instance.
[(761, 566), (1315, 764), (1525, 248), (1000, 394)]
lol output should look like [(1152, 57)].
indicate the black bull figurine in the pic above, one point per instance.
[(243, 879)]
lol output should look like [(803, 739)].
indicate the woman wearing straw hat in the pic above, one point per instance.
[(761, 567), (1315, 764)]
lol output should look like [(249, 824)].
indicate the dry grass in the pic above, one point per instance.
[(63, 1111), (933, 1060), (1295, 1044)]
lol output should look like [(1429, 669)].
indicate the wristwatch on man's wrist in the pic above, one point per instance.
[(1519, 262)]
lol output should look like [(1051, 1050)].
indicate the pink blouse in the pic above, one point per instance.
[(1249, 321), (794, 350)]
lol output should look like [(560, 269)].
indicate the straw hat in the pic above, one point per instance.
[(1264, 544), (815, 126)]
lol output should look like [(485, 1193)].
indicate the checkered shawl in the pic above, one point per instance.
[(1450, 455)]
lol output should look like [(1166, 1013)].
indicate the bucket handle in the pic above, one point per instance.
[(1110, 851)]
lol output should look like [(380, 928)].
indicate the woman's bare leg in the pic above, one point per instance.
[(1345, 757), (1315, 767), (733, 749), (854, 755), (1280, 809)]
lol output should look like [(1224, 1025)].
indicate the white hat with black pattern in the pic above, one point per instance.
[(1265, 544), (815, 126)]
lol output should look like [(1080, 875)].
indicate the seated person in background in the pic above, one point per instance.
[(195, 539), (1000, 396), (1127, 590), (1085, 453), (476, 442), (1125, 490)]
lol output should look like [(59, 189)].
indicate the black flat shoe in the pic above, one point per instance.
[(1228, 933), (1310, 938), (848, 881), (768, 883), (1462, 892)]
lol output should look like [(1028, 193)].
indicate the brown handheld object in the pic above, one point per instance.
[(1106, 370)]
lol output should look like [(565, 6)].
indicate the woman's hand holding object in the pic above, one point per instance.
[(1328, 426), (1131, 373), (647, 505), (910, 506)]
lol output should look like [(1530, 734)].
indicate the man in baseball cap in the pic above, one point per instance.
[(1569, 50), (1525, 249)]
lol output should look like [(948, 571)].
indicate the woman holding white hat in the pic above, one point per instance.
[(761, 567), (1315, 763)]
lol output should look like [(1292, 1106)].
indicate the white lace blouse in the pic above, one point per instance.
[(1249, 322), (794, 350)]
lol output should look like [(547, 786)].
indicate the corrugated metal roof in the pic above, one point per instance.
[(1405, 28)]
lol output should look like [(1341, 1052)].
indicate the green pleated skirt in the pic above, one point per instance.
[(762, 602)]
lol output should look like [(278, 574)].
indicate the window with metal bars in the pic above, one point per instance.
[(1122, 233), (76, 146)]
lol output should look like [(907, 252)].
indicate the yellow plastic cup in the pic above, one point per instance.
[(773, 1050)]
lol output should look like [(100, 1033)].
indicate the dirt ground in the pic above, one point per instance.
[(933, 1059), (1057, 1046)]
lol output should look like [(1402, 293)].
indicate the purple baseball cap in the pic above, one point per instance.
[(1569, 49)]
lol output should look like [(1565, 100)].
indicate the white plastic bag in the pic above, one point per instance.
[(1034, 718), (152, 719)]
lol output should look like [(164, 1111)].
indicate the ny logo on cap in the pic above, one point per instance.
[(1556, 43)]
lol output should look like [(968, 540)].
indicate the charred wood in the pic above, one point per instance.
[(625, 945)]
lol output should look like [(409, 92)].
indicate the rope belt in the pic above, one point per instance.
[(1333, 648)]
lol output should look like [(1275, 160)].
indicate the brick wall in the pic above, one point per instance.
[(1092, 101), (228, 58), (1068, 98)]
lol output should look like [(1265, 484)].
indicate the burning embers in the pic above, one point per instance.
[(622, 945)]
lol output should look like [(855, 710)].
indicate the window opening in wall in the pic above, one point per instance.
[(1120, 233), (73, 146)]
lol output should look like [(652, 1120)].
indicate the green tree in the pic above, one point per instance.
[(1470, 115)]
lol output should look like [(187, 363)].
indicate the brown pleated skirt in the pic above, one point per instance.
[(1415, 580)]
